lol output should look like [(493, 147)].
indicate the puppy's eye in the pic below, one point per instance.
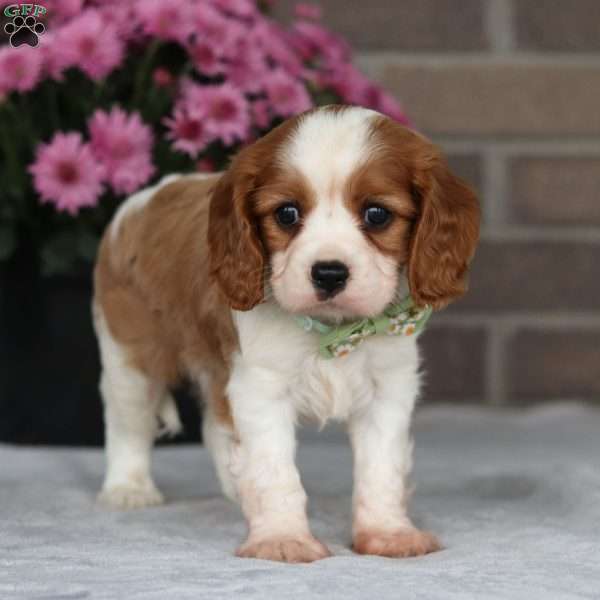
[(287, 214), (376, 216)]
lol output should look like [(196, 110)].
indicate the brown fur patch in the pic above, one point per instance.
[(285, 186), (153, 284), (446, 227), (380, 181), (237, 252)]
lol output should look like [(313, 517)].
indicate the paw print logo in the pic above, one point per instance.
[(24, 31)]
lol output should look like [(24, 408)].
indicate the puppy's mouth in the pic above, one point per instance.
[(337, 308)]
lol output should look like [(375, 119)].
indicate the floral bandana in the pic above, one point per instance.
[(403, 318)]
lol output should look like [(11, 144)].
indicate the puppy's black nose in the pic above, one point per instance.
[(329, 277)]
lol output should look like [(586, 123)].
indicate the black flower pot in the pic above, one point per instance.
[(49, 364)]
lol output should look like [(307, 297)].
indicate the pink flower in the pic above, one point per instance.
[(123, 144), (89, 43), (225, 108), (306, 10), (205, 165), (354, 87), (312, 41), (123, 17), (54, 63), (62, 9), (246, 69), (287, 95), (187, 129), (261, 113), (165, 19), (66, 174), (162, 77), (211, 27), (205, 58), (20, 68), (274, 44), (238, 8)]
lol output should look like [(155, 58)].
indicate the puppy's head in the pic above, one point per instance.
[(335, 211)]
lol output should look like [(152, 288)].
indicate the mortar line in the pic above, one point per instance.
[(552, 320), (495, 188), (375, 60), (587, 147), (499, 25)]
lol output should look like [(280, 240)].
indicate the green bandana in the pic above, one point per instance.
[(403, 318)]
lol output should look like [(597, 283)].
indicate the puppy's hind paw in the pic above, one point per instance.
[(127, 496)]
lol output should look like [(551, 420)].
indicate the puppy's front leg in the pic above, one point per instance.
[(382, 446), (271, 494)]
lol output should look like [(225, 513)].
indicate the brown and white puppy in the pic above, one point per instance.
[(200, 277)]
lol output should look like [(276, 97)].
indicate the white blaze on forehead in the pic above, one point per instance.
[(329, 145)]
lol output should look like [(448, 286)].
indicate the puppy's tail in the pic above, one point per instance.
[(168, 417)]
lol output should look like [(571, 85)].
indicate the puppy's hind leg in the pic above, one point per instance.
[(131, 404), (218, 433)]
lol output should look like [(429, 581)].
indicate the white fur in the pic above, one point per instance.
[(132, 405), (278, 376), (326, 149)]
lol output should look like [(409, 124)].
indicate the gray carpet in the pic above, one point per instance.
[(514, 497)]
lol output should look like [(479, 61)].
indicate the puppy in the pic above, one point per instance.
[(292, 285)]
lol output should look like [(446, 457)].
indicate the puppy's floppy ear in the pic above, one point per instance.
[(445, 233), (236, 253)]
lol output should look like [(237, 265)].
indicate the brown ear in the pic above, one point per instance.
[(236, 252), (445, 234)]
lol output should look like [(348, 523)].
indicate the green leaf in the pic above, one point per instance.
[(59, 253), (87, 245), (8, 241)]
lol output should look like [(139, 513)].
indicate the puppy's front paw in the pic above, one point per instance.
[(398, 544), (303, 549), (126, 496)]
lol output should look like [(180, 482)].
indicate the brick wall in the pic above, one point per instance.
[(511, 91)]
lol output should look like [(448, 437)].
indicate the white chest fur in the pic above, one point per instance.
[(319, 388)]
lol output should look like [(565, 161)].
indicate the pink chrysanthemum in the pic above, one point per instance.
[(354, 87), (205, 165), (123, 17), (312, 40), (261, 113), (89, 43), (238, 8), (19, 68), (66, 174), (165, 19), (225, 108), (123, 144), (271, 39), (162, 77), (205, 57), (53, 59), (287, 95), (247, 67), (59, 10), (212, 27), (187, 130)]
